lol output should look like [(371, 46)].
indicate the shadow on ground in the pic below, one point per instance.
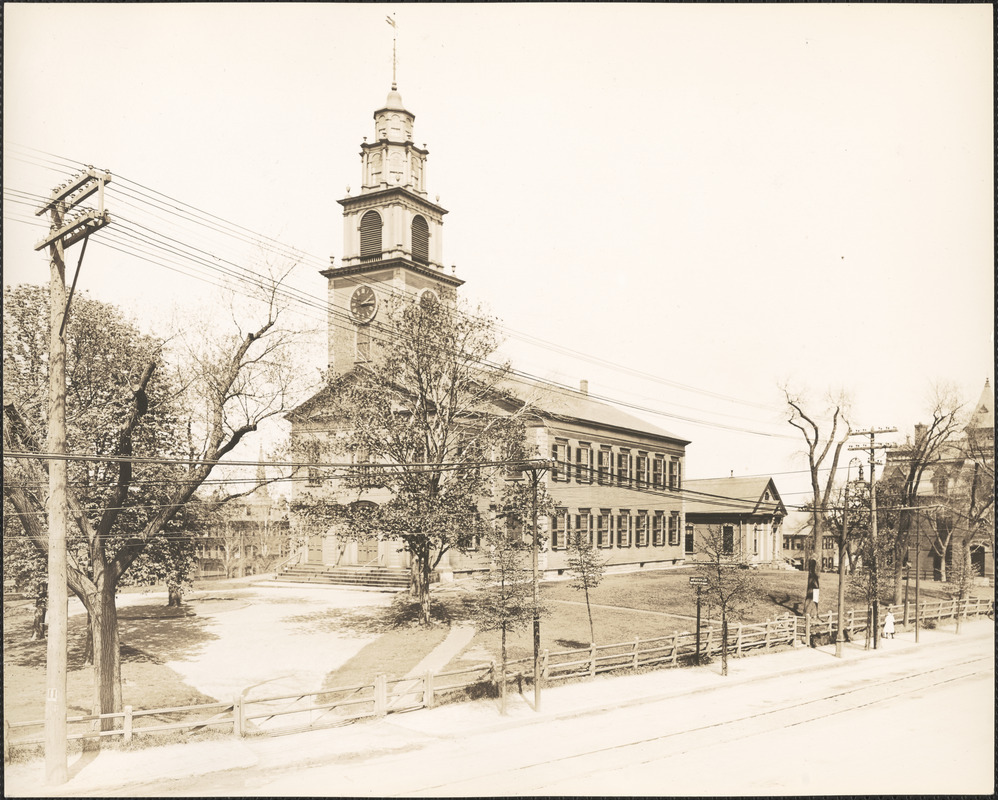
[(156, 634)]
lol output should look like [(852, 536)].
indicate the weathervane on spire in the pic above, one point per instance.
[(395, 37)]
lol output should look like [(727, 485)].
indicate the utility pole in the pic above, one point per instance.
[(65, 231), (872, 447), (536, 468)]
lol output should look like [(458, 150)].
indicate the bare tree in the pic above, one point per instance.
[(504, 599), (930, 452), (730, 586), (587, 569), (824, 446)]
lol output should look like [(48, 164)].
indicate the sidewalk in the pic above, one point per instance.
[(399, 732)]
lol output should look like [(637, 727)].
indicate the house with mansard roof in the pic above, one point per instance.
[(617, 481), (959, 488), (747, 513)]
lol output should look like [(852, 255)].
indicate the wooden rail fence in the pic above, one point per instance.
[(336, 706)]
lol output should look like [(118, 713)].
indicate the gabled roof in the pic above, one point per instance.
[(732, 496), (549, 401), (556, 402)]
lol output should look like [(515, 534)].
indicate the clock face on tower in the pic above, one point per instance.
[(363, 304)]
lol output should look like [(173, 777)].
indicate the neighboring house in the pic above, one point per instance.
[(619, 479), (965, 466), (747, 513), (252, 536)]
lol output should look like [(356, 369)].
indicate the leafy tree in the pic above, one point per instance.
[(126, 400), (821, 445), (426, 404), (504, 599), (587, 569), (729, 588)]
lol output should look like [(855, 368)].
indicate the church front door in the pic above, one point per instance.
[(367, 551)]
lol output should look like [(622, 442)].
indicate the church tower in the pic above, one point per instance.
[(392, 239)]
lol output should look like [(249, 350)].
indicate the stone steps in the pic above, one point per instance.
[(380, 577)]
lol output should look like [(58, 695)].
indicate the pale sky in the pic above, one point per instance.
[(717, 197)]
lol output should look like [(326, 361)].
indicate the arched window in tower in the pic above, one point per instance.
[(420, 240), (370, 234)]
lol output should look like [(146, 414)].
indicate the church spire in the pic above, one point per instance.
[(395, 38)]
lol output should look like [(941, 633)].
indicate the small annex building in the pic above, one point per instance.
[(746, 513)]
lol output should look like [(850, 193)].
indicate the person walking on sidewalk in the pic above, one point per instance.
[(889, 625)]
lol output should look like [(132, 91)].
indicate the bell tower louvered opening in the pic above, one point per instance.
[(420, 240), (370, 235)]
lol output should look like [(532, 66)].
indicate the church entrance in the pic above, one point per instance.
[(367, 551), (314, 549)]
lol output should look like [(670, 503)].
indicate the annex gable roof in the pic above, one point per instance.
[(743, 495)]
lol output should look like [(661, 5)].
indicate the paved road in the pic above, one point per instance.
[(921, 721)]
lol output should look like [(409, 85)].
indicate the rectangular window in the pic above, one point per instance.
[(559, 469), (558, 529), (641, 469), (674, 528), (624, 468), (624, 528), (727, 541), (583, 527), (787, 544), (690, 540), (657, 534), (584, 463), (314, 478), (604, 534), (755, 540), (675, 474), (641, 532), (657, 474), (605, 466)]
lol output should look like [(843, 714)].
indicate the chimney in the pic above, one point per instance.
[(920, 430), (584, 386)]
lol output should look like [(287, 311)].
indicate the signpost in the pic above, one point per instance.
[(699, 581)]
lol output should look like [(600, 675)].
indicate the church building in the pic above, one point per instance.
[(618, 479)]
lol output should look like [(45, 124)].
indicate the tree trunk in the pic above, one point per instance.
[(592, 634), (175, 595), (502, 675), (419, 568), (107, 654), (88, 647), (724, 643)]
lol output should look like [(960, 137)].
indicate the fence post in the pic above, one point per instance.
[(766, 640), (380, 695), (544, 664), (738, 644), (634, 654), (807, 630), (710, 635), (127, 726), (428, 689), (592, 660), (237, 716), (675, 648), (852, 622)]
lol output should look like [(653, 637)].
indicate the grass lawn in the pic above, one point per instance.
[(645, 604)]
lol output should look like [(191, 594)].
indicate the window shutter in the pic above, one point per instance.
[(420, 240), (370, 234)]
